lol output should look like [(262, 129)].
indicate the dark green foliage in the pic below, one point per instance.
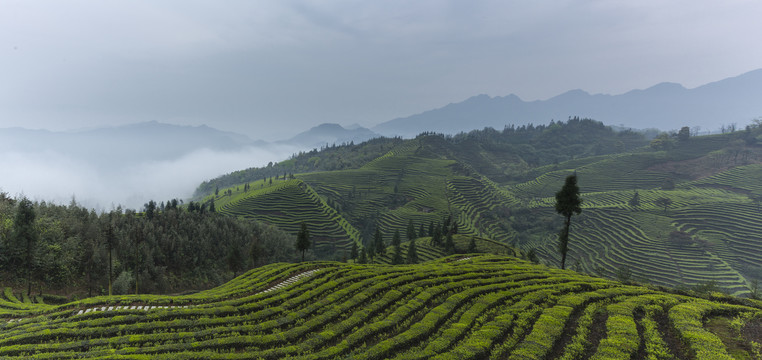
[(449, 245), (684, 134), (411, 230), (436, 239), (378, 243), (634, 200), (354, 253), (664, 202), (472, 246), (25, 236), (532, 256), (177, 249), (412, 253), (363, 257), (567, 204), (397, 257), (303, 240)]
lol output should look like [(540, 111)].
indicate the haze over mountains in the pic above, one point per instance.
[(131, 164), (664, 106)]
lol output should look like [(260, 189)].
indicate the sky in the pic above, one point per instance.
[(271, 69)]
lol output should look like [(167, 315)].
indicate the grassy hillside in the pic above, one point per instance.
[(457, 307), (501, 186)]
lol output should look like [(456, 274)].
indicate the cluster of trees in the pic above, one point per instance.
[(440, 233), (165, 248)]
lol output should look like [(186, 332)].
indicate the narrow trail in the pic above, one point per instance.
[(289, 281)]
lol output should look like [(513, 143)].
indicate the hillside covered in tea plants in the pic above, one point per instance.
[(463, 306), (676, 210)]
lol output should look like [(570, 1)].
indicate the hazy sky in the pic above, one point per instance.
[(273, 68)]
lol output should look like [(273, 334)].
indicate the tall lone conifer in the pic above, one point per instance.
[(567, 204)]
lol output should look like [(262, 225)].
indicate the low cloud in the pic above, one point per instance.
[(54, 177)]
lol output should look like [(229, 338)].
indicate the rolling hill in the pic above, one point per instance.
[(501, 186), (464, 306)]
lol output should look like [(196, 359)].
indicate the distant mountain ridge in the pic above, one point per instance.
[(664, 106), (131, 143), (329, 133)]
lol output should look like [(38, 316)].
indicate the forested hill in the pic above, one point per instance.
[(675, 210), (505, 154)]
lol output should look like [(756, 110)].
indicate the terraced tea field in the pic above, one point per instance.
[(459, 307), (422, 180)]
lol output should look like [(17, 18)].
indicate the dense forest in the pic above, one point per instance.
[(166, 248)]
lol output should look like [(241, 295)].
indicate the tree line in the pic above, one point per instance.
[(165, 248)]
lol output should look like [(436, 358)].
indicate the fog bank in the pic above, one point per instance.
[(55, 177)]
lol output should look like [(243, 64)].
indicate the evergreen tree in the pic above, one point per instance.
[(303, 239), (421, 232), (110, 240), (211, 206), (371, 246), (354, 254), (410, 230), (412, 253), (150, 209), (397, 258), (436, 239), (363, 258), (25, 234), (472, 245), (567, 204), (449, 244), (431, 229), (378, 241), (532, 256), (635, 200)]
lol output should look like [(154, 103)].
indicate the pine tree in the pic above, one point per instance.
[(378, 241), (449, 244), (25, 234), (410, 230), (397, 258), (303, 239), (472, 245), (363, 258), (436, 239), (354, 254), (412, 253), (635, 200), (567, 204)]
